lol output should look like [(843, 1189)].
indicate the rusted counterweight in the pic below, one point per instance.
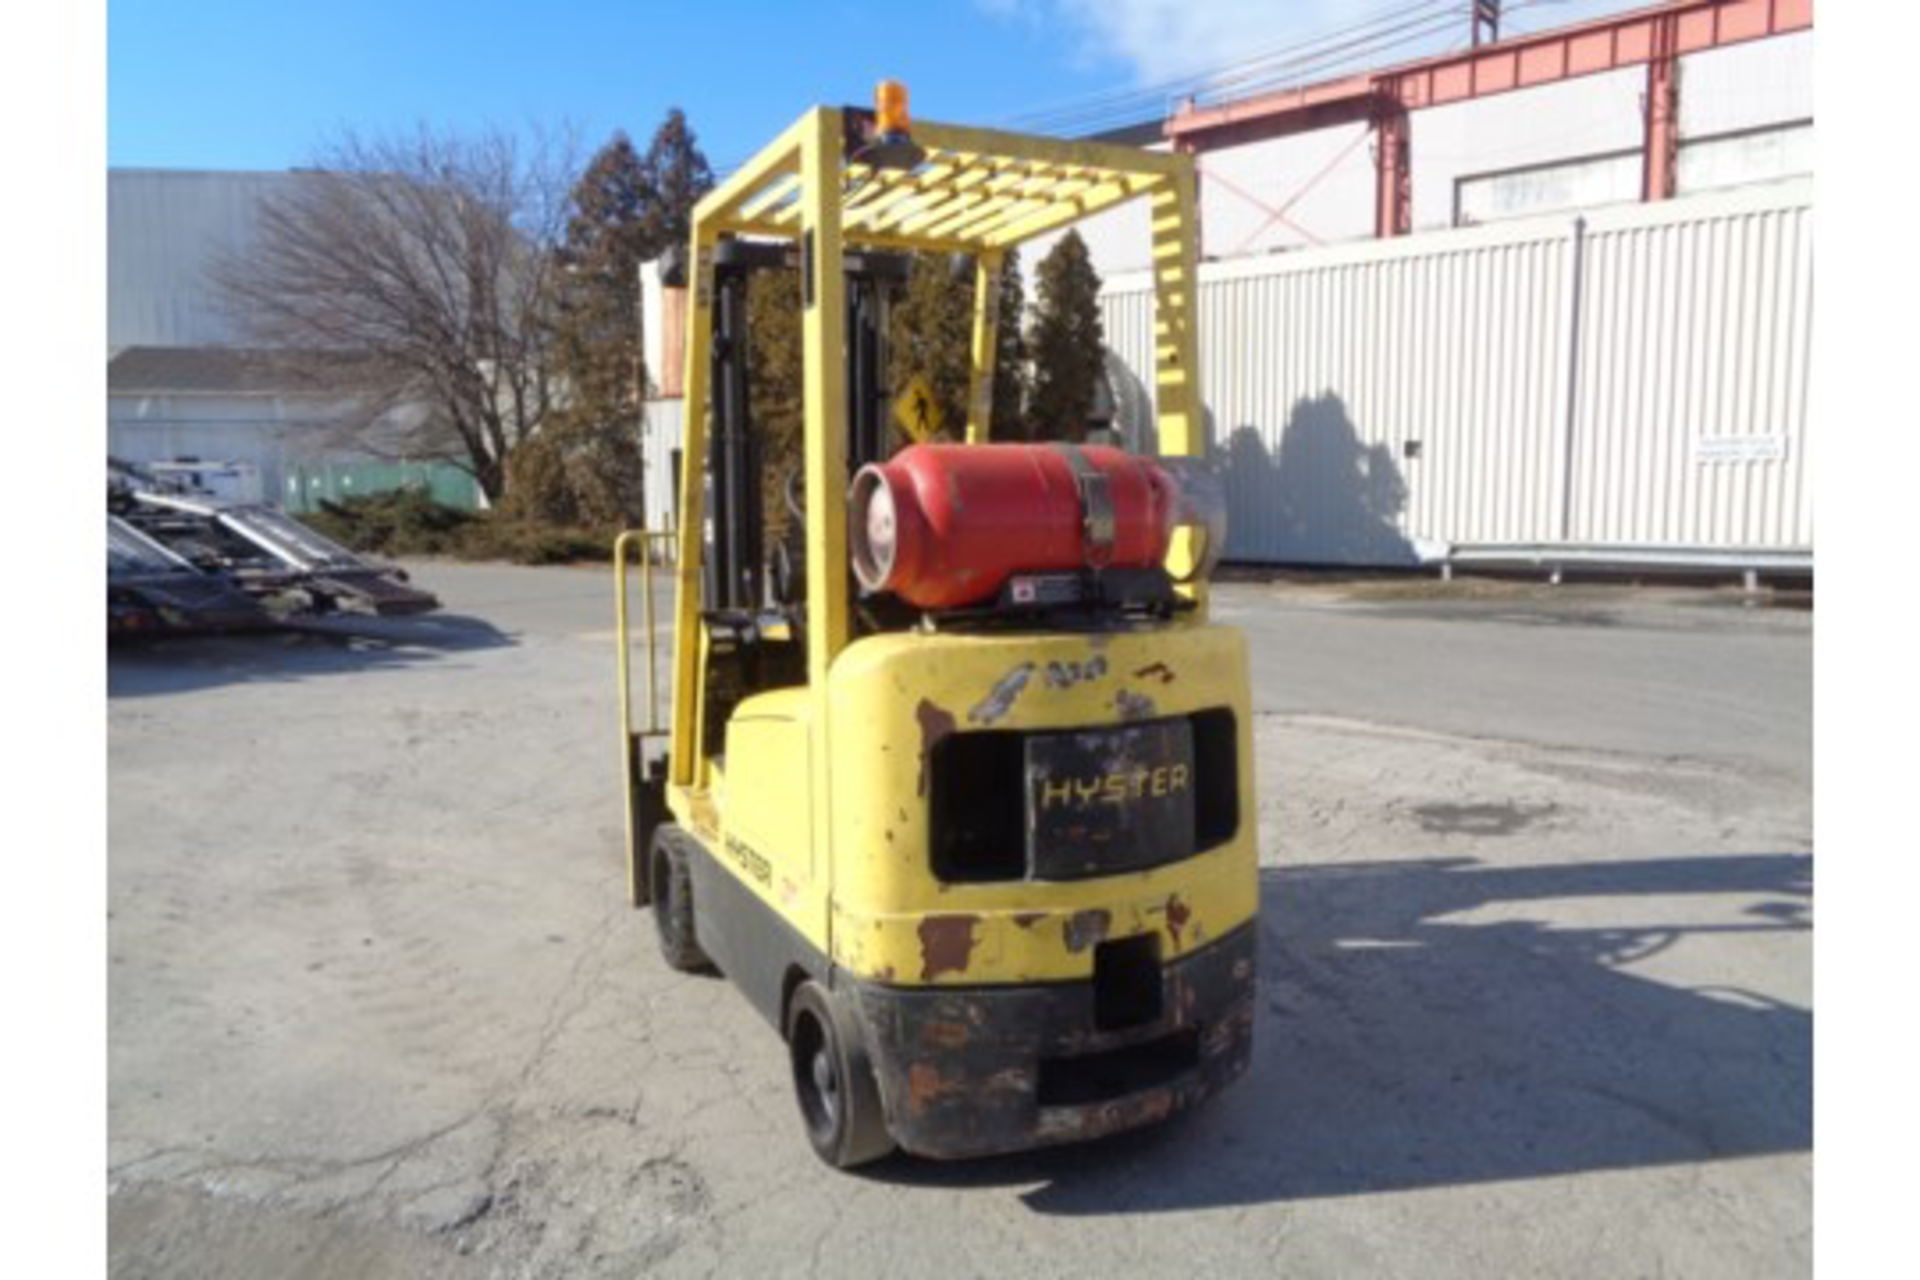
[(945, 525), (981, 1071)]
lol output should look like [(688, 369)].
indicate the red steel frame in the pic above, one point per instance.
[(1655, 38)]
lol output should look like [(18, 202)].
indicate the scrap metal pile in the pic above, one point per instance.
[(181, 559)]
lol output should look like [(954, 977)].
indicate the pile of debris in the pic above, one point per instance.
[(180, 558)]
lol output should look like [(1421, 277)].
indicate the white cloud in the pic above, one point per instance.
[(1161, 39)]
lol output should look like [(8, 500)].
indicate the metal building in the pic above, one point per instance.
[(1405, 361), (1675, 99), (1629, 386), (180, 382)]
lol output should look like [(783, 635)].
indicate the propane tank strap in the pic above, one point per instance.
[(1096, 506)]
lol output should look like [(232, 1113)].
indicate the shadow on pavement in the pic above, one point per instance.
[(178, 664), (1401, 1048)]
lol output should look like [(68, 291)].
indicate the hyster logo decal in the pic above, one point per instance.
[(751, 861), (1113, 788)]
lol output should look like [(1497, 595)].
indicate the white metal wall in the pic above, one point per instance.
[(1288, 193), (1695, 350), (1572, 120), (1377, 402), (1747, 86), (659, 442)]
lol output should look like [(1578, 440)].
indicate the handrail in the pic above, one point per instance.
[(631, 763), (646, 537)]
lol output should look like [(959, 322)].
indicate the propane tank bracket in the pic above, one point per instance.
[(1096, 507)]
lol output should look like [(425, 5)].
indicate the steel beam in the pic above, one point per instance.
[(1392, 170), (1661, 128)]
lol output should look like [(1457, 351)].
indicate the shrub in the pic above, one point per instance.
[(405, 522), (529, 542), (400, 522), (538, 489)]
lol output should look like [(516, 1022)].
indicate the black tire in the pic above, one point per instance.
[(833, 1081), (671, 879)]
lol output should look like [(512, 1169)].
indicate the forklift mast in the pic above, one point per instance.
[(736, 578)]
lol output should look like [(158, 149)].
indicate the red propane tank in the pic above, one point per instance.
[(941, 525)]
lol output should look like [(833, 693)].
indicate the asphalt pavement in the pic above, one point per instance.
[(1535, 964)]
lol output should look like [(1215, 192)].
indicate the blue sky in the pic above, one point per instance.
[(261, 84)]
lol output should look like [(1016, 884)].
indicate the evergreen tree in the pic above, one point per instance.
[(599, 322), (1010, 375), (1066, 341), (584, 467), (930, 332), (676, 175)]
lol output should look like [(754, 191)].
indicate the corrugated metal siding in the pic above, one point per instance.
[(1372, 399), (1696, 337), (165, 230)]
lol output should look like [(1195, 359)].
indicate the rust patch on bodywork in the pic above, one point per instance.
[(945, 1035), (1155, 671), (926, 1086), (1178, 913), (1001, 698), (1084, 928), (1077, 1124), (946, 945), (1028, 919), (936, 722)]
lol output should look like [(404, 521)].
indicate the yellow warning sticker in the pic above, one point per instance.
[(917, 412)]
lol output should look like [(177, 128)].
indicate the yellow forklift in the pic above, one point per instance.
[(956, 785)]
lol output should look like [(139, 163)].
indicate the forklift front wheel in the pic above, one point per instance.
[(833, 1079), (672, 881)]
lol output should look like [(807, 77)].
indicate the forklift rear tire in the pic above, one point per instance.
[(833, 1080), (672, 882)]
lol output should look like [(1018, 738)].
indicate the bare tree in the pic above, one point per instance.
[(413, 277)]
